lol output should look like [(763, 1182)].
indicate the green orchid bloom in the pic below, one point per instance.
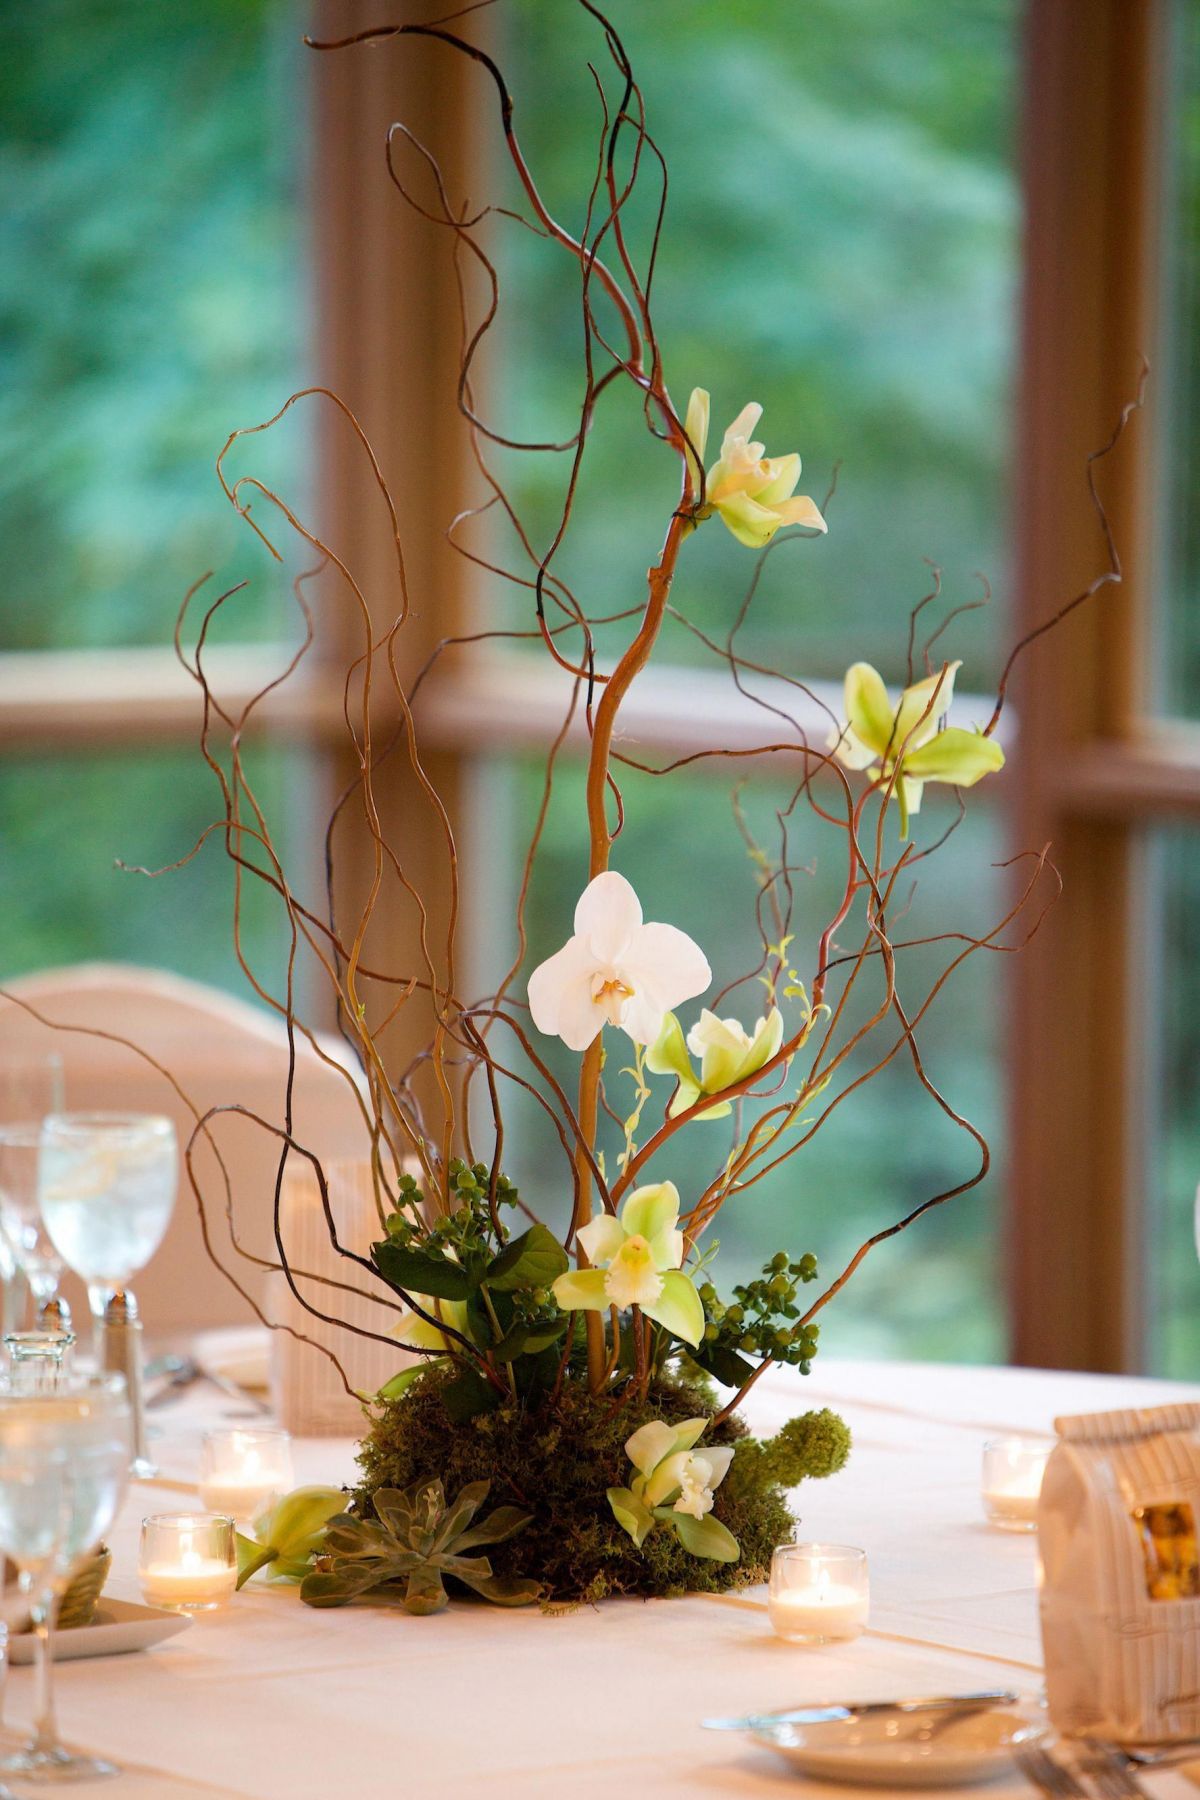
[(674, 1486), (286, 1537), (753, 494), (418, 1333), (907, 738), (643, 1249), (727, 1052)]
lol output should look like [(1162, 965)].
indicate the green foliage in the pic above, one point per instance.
[(762, 1321), (413, 1542), (809, 1447), (556, 1462)]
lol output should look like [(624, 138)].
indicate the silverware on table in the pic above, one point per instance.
[(851, 1709), (179, 1373), (1110, 1771), (1046, 1774)]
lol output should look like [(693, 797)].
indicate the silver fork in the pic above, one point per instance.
[(1111, 1773), (1048, 1776)]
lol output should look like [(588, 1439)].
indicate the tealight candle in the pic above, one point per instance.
[(1012, 1480), (244, 1472), (819, 1593), (188, 1561)]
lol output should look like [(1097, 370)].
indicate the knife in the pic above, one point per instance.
[(824, 1715)]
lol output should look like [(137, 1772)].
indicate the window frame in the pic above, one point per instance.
[(1091, 764)]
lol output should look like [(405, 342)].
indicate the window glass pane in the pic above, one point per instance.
[(1174, 1086), (62, 900), (1177, 390), (935, 1290), (149, 250), (841, 246)]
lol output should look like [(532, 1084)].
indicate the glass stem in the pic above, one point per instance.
[(45, 1729)]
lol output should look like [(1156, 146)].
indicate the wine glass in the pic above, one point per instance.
[(21, 1222), (30, 1087), (106, 1189), (64, 1464)]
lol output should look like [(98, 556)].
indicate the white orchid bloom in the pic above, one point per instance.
[(643, 1249), (675, 1483), (753, 493), (884, 736), (727, 1052), (615, 970)]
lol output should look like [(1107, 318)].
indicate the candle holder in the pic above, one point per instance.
[(187, 1562), (242, 1473), (1012, 1480), (819, 1593)]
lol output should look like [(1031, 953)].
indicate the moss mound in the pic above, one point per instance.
[(556, 1462)]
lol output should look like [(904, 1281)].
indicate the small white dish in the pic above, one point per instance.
[(118, 1627), (904, 1750)]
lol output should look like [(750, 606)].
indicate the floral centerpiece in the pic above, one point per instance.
[(564, 1420)]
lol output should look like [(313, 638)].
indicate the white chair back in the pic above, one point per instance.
[(220, 1051)]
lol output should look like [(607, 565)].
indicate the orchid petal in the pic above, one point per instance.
[(706, 1537), (581, 1290), (803, 510), (784, 473), (651, 1443), (850, 750), (957, 756), (666, 1477), (601, 1238), (560, 995), (651, 1210), (750, 523), (718, 1459), (687, 1094), (667, 1055), (696, 427), (608, 915), (868, 708), (922, 706), (743, 425), (678, 1307)]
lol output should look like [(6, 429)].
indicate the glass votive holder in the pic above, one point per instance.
[(38, 1359), (819, 1593), (1012, 1480), (243, 1472), (187, 1562)]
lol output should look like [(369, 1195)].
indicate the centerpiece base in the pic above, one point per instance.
[(555, 1461)]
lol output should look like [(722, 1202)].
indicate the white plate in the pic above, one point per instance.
[(904, 1751), (119, 1626)]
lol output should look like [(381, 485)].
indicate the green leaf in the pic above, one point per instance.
[(528, 1340), (425, 1593), (729, 1368), (535, 1259), (458, 1515), (505, 1590), (705, 1537), (468, 1395), (392, 1390), (420, 1272), (503, 1523)]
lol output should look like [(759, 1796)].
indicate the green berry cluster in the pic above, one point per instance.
[(764, 1317), (466, 1226)]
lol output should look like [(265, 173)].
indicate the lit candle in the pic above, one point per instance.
[(819, 1593), (1012, 1481), (187, 1562), (242, 1473)]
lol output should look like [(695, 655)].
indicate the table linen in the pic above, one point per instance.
[(269, 1700)]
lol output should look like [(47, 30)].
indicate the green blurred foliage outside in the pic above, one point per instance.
[(841, 246)]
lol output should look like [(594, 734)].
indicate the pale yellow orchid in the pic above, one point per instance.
[(753, 493), (674, 1485), (643, 1249), (906, 738), (420, 1335), (727, 1052)]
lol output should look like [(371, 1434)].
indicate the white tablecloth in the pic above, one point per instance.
[(268, 1700)]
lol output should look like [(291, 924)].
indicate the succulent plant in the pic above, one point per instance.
[(416, 1539)]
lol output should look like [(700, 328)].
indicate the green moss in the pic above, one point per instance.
[(557, 1462)]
